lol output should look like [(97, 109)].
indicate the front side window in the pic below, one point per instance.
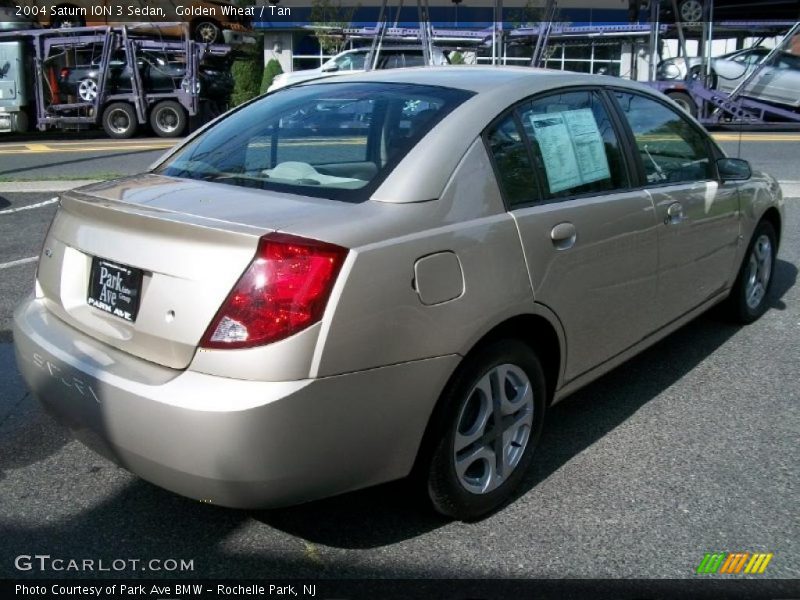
[(671, 149), (332, 140), (574, 144)]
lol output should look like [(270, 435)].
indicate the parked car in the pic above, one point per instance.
[(777, 83), (159, 73), (353, 61), (207, 21), (691, 11), (265, 318), (682, 67)]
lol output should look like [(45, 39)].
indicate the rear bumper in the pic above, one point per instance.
[(230, 442)]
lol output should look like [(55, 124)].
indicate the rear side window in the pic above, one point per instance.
[(512, 162), (671, 149), (331, 140), (574, 144)]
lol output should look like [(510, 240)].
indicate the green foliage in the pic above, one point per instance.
[(327, 15), (247, 71), (530, 15), (456, 58), (272, 70)]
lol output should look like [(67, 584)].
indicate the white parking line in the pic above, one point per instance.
[(8, 211), (21, 261)]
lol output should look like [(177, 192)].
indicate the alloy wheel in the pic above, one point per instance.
[(691, 11), (493, 429), (87, 90), (759, 272)]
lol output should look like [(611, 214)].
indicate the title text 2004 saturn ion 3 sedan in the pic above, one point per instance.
[(279, 312)]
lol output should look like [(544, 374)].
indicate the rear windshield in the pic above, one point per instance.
[(332, 140)]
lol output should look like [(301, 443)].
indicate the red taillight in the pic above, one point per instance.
[(284, 290), (64, 73)]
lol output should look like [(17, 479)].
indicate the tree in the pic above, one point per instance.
[(456, 58), (272, 70), (247, 71), (326, 17)]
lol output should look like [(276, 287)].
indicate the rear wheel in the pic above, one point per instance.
[(487, 425), (119, 120), (748, 299), (685, 101), (168, 119)]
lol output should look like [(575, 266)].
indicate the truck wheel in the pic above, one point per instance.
[(20, 122), (168, 119), (685, 101), (119, 120)]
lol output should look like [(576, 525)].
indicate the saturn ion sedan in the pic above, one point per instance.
[(275, 313)]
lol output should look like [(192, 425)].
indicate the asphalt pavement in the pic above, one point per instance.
[(691, 447)]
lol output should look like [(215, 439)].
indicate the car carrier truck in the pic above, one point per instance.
[(110, 77)]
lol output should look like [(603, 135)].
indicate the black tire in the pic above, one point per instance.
[(740, 307), (20, 123), (168, 119), (206, 31), (685, 101), (119, 120), (461, 402)]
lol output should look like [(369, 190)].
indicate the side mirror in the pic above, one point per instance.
[(734, 169), (330, 68)]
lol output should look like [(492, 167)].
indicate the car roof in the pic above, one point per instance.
[(387, 47), (482, 79), (425, 170)]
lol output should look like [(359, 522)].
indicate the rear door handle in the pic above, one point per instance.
[(674, 214), (563, 236)]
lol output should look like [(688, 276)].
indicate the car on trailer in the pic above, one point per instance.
[(82, 78)]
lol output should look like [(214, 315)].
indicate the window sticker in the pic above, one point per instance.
[(589, 147), (558, 153), (572, 148)]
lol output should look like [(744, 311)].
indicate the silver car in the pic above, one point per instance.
[(276, 312), (777, 82), (353, 61)]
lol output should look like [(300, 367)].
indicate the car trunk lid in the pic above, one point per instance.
[(190, 240)]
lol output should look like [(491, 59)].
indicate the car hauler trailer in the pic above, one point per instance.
[(109, 77)]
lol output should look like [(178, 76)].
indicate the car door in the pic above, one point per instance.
[(698, 216), (780, 82), (589, 238)]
